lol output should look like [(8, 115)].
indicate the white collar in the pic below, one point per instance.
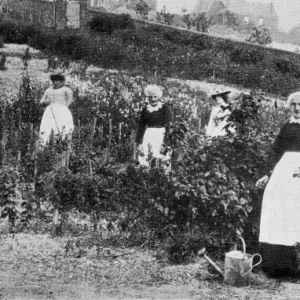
[(294, 120), (151, 108)]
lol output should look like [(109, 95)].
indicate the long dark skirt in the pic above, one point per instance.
[(279, 260)]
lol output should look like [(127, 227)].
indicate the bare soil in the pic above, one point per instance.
[(40, 267)]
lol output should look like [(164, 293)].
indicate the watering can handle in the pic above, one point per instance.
[(244, 245), (249, 271), (260, 260)]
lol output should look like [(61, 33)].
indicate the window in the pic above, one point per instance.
[(261, 21), (246, 20)]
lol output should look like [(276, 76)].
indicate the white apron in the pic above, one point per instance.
[(152, 142), (57, 117), (280, 215)]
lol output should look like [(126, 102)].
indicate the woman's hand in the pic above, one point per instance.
[(140, 150), (262, 181)]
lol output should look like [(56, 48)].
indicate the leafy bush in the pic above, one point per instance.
[(109, 23), (14, 32), (15, 201), (260, 35), (114, 42)]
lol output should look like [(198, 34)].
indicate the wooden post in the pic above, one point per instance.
[(101, 132), (3, 147), (120, 133), (199, 125), (64, 163), (134, 151), (79, 135), (109, 137), (35, 169), (55, 222), (90, 168), (31, 137), (19, 138), (93, 132)]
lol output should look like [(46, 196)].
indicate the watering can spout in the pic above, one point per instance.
[(210, 261)]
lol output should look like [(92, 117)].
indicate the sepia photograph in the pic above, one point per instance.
[(149, 149)]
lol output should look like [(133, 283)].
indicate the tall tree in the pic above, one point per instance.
[(201, 22), (142, 9), (260, 35), (186, 18), (165, 17)]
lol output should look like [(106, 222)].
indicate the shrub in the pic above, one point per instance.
[(260, 35), (146, 50), (108, 23), (1, 41), (15, 32)]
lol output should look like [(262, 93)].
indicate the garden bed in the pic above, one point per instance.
[(43, 268)]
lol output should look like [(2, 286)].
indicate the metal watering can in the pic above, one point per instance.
[(238, 266)]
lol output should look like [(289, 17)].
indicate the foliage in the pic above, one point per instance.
[(260, 35), (66, 190), (3, 62), (13, 188), (201, 22), (15, 32), (145, 49), (165, 17), (209, 197), (186, 18), (231, 19), (109, 23), (142, 9)]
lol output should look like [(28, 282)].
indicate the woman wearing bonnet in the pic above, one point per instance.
[(220, 113), (153, 127), (279, 224), (57, 118)]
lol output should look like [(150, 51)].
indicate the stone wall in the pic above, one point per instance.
[(40, 12)]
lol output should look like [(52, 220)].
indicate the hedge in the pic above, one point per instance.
[(148, 48)]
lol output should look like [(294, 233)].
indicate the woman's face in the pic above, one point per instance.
[(220, 100), (153, 100), (57, 84), (295, 108)]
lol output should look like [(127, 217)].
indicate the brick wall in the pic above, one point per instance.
[(45, 13)]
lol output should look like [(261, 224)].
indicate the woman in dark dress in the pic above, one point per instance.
[(154, 124), (280, 225)]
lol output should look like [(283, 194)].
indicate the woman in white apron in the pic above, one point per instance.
[(57, 118), (280, 214), (154, 122), (219, 114)]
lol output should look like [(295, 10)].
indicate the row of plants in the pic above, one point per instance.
[(145, 49), (209, 198)]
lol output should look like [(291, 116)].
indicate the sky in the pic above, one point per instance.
[(288, 10)]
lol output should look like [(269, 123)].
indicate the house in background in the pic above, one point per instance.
[(247, 11), (118, 6), (256, 13), (48, 13), (218, 13)]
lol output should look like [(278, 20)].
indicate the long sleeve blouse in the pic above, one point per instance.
[(162, 117), (63, 95), (288, 139)]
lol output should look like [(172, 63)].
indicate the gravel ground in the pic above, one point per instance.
[(40, 267)]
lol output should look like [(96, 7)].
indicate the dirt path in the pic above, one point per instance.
[(38, 267)]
